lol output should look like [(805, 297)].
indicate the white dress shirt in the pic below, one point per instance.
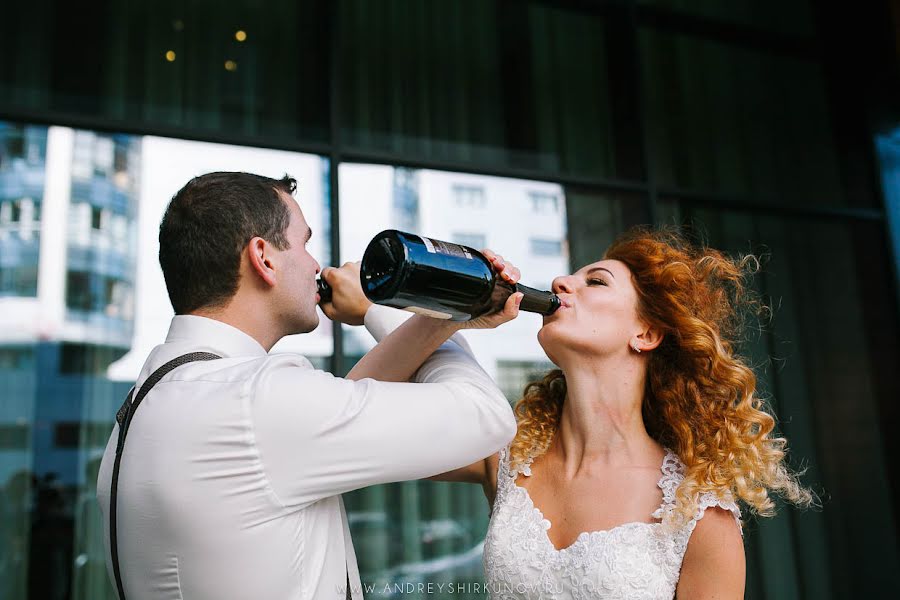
[(231, 477)]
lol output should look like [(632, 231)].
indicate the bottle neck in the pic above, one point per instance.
[(533, 300), (537, 301)]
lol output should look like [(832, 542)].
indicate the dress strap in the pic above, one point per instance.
[(672, 475), (504, 480), (709, 500), (673, 471), (513, 471), (503, 463)]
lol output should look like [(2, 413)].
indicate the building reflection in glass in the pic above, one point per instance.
[(423, 531), (82, 302)]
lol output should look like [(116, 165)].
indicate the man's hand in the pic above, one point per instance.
[(510, 274), (348, 303)]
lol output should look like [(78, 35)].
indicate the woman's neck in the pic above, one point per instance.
[(601, 422)]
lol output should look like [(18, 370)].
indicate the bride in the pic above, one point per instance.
[(624, 478)]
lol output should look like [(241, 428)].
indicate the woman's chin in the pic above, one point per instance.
[(563, 345), (550, 338)]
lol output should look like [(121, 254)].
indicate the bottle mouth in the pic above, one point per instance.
[(324, 291), (382, 261)]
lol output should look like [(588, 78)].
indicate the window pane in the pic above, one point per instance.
[(172, 64), (23, 152), (468, 196), (888, 147), (827, 363), (401, 529), (737, 121), (544, 247), (542, 203), (781, 16), (595, 219), (472, 240), (69, 356), (503, 83)]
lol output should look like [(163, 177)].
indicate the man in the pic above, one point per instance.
[(230, 481)]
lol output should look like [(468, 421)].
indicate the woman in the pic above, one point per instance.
[(629, 460)]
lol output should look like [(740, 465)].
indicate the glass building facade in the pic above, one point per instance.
[(541, 129)]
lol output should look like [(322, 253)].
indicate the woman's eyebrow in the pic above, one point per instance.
[(601, 269)]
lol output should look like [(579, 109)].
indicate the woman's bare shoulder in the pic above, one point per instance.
[(714, 563)]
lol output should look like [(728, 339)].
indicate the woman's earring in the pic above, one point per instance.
[(634, 345)]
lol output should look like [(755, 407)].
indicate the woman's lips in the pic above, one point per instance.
[(563, 304)]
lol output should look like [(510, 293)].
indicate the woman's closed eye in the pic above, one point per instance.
[(596, 282)]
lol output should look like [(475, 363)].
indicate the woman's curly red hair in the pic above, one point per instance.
[(700, 398)]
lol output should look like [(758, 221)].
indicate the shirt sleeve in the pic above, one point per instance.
[(319, 435), (382, 320)]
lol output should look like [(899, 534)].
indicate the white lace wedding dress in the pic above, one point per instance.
[(633, 561)]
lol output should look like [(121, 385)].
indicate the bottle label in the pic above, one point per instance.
[(428, 313), (439, 247)]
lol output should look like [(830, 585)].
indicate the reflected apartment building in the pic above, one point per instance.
[(422, 531), (68, 206)]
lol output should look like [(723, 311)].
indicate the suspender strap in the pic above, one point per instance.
[(124, 417)]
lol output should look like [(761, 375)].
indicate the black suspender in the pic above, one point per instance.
[(124, 416)]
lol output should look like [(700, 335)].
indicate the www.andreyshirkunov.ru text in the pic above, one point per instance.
[(446, 588)]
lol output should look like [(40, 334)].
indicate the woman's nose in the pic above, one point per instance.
[(562, 284)]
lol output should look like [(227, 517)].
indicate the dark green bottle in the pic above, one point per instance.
[(439, 279)]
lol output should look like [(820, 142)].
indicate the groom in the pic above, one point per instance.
[(230, 479)]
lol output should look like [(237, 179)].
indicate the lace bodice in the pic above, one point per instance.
[(633, 561)]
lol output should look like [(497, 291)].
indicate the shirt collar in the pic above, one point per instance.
[(224, 339)]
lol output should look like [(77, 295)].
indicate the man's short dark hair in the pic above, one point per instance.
[(207, 226)]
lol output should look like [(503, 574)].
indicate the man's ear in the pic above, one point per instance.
[(259, 254), (650, 338)]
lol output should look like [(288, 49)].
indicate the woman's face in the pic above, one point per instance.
[(598, 315)]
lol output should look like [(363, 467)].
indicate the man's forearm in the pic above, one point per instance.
[(398, 356)]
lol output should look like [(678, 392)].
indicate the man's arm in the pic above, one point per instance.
[(400, 354), (319, 435)]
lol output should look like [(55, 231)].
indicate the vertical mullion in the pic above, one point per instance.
[(334, 161)]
